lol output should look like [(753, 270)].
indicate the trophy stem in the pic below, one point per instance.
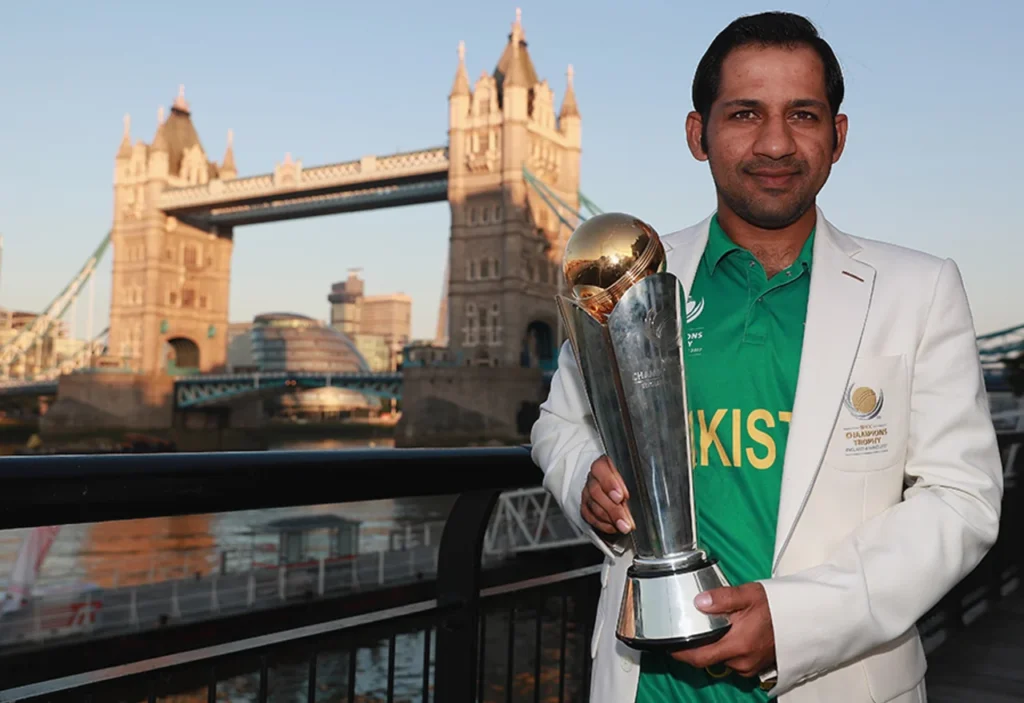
[(670, 564)]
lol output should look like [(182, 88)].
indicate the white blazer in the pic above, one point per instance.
[(866, 544)]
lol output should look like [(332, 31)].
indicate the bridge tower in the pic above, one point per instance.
[(169, 297), (506, 244)]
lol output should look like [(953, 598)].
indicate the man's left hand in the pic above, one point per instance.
[(748, 648)]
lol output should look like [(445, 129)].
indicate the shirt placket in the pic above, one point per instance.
[(754, 329)]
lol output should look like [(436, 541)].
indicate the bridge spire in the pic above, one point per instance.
[(125, 150), (461, 84), (227, 167), (159, 139), (180, 104), (569, 108)]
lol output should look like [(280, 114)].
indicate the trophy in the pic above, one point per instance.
[(624, 320)]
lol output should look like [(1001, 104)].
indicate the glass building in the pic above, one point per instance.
[(290, 342)]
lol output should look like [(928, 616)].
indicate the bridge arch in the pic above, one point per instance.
[(538, 346), (181, 355)]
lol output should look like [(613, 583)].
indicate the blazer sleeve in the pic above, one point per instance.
[(894, 567), (565, 442)]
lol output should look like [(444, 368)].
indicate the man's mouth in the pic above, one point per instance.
[(773, 178)]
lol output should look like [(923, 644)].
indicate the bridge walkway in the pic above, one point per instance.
[(984, 663)]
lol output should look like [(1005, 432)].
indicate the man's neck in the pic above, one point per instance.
[(775, 249)]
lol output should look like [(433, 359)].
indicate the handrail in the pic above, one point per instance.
[(64, 490)]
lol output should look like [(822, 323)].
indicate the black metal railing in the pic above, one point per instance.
[(474, 632), (518, 633), (999, 572)]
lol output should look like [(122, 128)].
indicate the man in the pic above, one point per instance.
[(846, 470)]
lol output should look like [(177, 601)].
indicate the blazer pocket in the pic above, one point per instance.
[(870, 433)]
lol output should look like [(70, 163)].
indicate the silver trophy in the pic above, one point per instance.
[(624, 320)]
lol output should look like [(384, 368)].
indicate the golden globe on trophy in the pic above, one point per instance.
[(624, 321)]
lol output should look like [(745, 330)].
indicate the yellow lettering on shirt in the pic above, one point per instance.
[(737, 438), (762, 438), (709, 436), (748, 437)]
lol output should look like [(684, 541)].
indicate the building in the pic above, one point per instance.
[(54, 347), (380, 325), (290, 342), (240, 355)]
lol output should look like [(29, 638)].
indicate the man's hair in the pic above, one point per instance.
[(766, 29)]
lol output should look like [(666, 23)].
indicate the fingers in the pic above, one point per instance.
[(610, 480), (731, 651), (603, 503), (718, 652), (601, 524), (616, 513), (749, 645), (729, 599)]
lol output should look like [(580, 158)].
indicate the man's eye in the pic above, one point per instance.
[(743, 115)]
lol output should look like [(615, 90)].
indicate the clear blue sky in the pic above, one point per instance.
[(933, 94)]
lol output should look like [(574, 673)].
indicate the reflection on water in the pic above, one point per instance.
[(132, 552)]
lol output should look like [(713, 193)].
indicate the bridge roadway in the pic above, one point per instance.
[(293, 191), (199, 390)]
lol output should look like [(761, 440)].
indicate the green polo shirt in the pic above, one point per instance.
[(744, 334)]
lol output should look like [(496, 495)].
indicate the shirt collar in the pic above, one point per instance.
[(720, 245)]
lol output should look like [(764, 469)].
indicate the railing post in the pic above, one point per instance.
[(175, 606), (133, 609), (458, 590)]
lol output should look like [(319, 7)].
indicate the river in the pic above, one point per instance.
[(130, 552)]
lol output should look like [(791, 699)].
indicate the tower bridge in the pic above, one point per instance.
[(510, 172), (176, 212)]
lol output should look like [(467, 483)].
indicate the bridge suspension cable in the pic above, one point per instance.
[(79, 360), (18, 347)]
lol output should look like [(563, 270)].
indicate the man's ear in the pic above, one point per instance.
[(695, 136)]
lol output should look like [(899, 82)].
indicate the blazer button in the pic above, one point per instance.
[(626, 664)]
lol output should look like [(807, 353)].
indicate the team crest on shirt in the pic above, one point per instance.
[(694, 335), (864, 430)]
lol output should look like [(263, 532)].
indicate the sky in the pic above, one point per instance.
[(933, 159)]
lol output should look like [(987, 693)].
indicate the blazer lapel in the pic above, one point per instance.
[(683, 251), (840, 294)]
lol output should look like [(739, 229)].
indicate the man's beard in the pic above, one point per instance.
[(765, 218), (745, 203)]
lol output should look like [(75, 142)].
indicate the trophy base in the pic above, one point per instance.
[(657, 611)]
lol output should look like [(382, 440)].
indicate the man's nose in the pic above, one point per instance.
[(775, 139)]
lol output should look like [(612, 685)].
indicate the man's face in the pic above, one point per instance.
[(770, 139)]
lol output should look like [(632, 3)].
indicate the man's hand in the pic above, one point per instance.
[(603, 503), (748, 648)]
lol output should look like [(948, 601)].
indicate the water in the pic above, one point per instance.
[(132, 552)]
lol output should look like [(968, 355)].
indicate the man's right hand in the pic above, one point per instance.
[(603, 503)]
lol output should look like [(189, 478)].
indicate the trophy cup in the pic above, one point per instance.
[(624, 322)]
